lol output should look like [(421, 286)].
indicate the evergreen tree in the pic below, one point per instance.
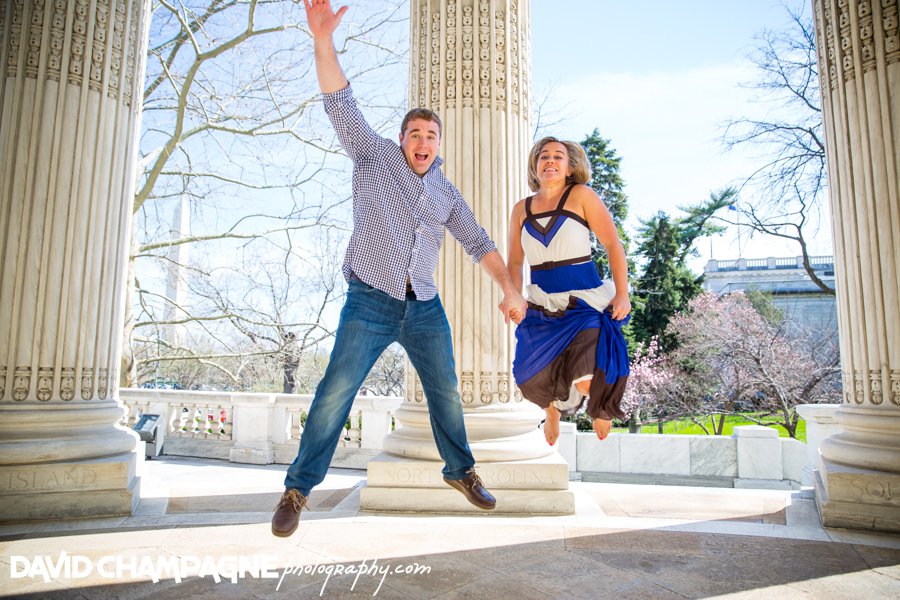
[(607, 182), (666, 284), (698, 221), (663, 287), (605, 178)]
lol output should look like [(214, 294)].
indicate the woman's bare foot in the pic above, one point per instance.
[(551, 425), (601, 428)]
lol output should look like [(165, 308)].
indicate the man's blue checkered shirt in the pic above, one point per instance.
[(398, 216)]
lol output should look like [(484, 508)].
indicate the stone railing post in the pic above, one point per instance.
[(253, 429), (377, 419), (821, 423), (758, 455)]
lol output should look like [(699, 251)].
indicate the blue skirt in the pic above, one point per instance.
[(542, 341)]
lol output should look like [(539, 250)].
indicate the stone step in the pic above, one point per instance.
[(448, 500), (547, 473)]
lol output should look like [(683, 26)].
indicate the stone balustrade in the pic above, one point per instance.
[(819, 263), (253, 428), (266, 428), (753, 457)]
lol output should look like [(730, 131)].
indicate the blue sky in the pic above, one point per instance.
[(659, 78)]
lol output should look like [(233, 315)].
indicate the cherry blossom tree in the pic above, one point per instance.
[(758, 367), (650, 376)]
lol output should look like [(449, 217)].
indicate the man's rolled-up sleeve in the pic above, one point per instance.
[(356, 136)]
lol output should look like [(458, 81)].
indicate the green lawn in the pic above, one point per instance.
[(689, 428)]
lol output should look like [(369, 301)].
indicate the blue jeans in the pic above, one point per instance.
[(370, 321)]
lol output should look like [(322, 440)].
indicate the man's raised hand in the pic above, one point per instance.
[(321, 18)]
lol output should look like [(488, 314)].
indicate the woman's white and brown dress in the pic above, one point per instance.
[(568, 334)]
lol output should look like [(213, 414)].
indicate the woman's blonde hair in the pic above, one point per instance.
[(579, 165)]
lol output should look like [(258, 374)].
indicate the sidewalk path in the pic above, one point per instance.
[(625, 541)]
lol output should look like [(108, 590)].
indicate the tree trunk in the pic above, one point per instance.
[(634, 422), (128, 369), (289, 367), (791, 425)]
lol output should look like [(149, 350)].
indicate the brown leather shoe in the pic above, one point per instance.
[(472, 488), (287, 513)]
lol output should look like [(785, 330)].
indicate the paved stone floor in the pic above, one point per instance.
[(625, 541)]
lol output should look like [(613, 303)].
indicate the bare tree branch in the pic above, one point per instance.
[(231, 124), (787, 190)]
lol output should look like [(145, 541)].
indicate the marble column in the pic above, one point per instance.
[(71, 76), (858, 485), (469, 62)]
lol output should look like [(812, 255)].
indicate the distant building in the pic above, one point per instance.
[(793, 292)]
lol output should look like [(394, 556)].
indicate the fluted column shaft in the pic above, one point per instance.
[(469, 62), (859, 69), (70, 97)]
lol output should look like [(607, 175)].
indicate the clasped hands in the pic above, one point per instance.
[(513, 308)]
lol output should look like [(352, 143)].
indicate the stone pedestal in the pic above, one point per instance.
[(70, 95), (71, 489), (537, 486), (855, 498), (859, 68)]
